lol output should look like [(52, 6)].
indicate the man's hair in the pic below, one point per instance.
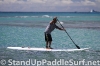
[(55, 18)]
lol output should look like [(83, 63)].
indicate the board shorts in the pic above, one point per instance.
[(48, 37)]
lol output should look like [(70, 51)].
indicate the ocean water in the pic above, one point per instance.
[(26, 29)]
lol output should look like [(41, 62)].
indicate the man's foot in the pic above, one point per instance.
[(50, 48), (47, 47)]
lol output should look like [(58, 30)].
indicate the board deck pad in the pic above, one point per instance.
[(44, 49)]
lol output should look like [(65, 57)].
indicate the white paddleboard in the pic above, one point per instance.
[(44, 49)]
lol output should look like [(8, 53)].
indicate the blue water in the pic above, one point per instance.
[(26, 29)]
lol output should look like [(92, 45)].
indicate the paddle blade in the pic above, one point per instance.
[(77, 46)]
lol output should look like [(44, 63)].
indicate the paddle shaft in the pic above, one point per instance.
[(68, 35)]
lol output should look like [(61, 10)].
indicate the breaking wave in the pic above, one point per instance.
[(85, 25), (43, 16), (47, 16)]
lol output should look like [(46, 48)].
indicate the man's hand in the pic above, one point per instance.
[(63, 29)]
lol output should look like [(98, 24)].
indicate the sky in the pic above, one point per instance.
[(49, 5)]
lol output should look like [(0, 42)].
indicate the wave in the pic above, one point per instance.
[(67, 16), (44, 24), (21, 16), (25, 16), (48, 16), (43, 16), (18, 16)]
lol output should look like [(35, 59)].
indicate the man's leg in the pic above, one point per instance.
[(47, 43), (48, 40), (50, 45)]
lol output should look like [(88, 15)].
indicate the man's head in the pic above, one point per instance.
[(55, 19)]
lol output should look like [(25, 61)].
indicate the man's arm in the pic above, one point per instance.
[(59, 28)]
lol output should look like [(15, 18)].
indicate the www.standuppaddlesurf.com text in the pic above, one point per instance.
[(56, 62)]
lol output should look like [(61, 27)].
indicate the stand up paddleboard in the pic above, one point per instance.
[(44, 49)]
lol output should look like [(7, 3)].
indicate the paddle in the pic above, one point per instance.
[(68, 35)]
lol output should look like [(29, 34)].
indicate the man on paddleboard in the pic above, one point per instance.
[(48, 38)]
